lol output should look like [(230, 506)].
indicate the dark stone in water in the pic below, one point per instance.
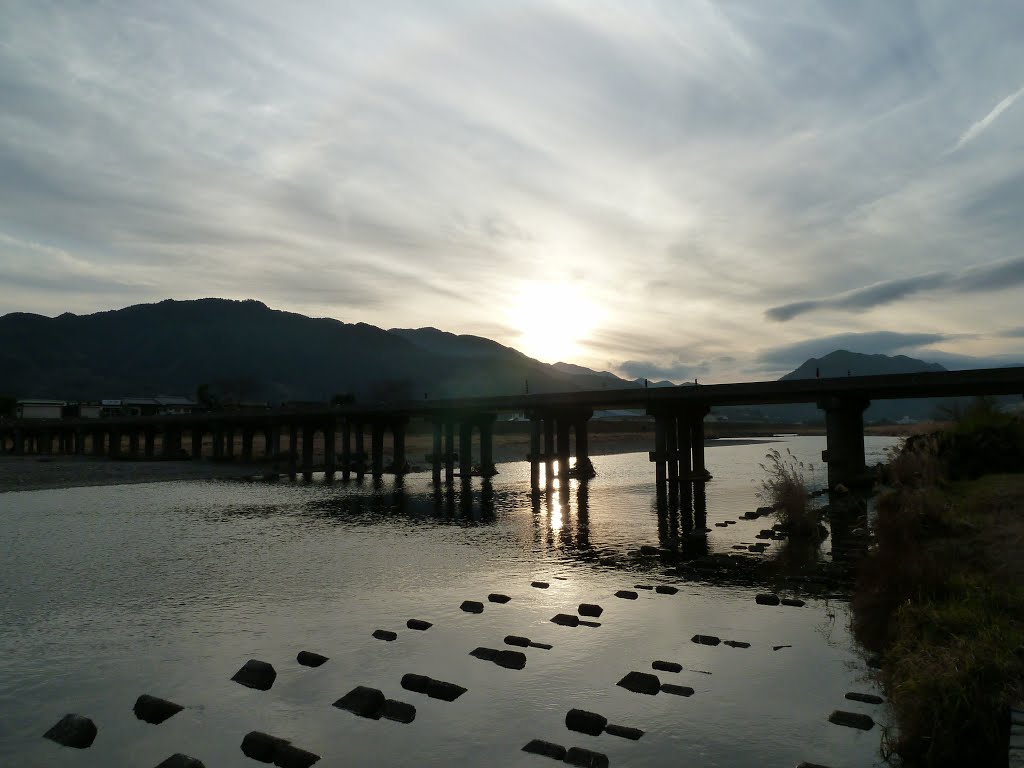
[(705, 639), (643, 586), (542, 646), (584, 758), (765, 535), (521, 642), (739, 546), (290, 756), (852, 720), (793, 602), (546, 749), (765, 511), (416, 683), (764, 599), (362, 701), (510, 659), (623, 731), (590, 623), (487, 654), (757, 548), (73, 730), (494, 597), (154, 710), (737, 644), (385, 634), (439, 689), (310, 659), (640, 682), (811, 765), (472, 606), (418, 624), (866, 698), (589, 609), (730, 522), (664, 589), (539, 584), (565, 620), (398, 711), (256, 674), (262, 746), (582, 721), (626, 594), (648, 549), (181, 761), (721, 525), (667, 666), (677, 690)]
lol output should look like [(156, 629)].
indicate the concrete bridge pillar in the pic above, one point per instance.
[(485, 422), (360, 455), (272, 441), (534, 457), (466, 449), (79, 441), (229, 442), (346, 450), (329, 449), (674, 439), (563, 427), (19, 442), (133, 442), (699, 471), (197, 443), (844, 436), (435, 455), (584, 466), (247, 439), (377, 448), (549, 450), (684, 445), (149, 439), (660, 454), (115, 443), (98, 442), (399, 461), (308, 437), (293, 450), (171, 441), (449, 452)]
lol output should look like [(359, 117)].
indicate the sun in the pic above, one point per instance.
[(552, 319)]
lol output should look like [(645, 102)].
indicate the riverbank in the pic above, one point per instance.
[(941, 600)]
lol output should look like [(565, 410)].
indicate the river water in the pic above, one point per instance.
[(168, 588)]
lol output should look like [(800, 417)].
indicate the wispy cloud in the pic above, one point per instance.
[(977, 128)]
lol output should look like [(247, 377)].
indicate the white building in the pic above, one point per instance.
[(34, 408)]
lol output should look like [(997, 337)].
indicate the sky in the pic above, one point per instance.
[(680, 189)]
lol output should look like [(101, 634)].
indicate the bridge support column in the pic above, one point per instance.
[(699, 471), (549, 450), (534, 457), (346, 450), (584, 466), (466, 450), (308, 437), (660, 454), (133, 442), (293, 450), (247, 439), (115, 443), (675, 443), (149, 442), (844, 436), (272, 442), (435, 456), (197, 443), (449, 452), (98, 441), (360, 457), (172, 442), (377, 449), (229, 442), (19, 442), (79, 441), (398, 447), (564, 429), (329, 449), (485, 422)]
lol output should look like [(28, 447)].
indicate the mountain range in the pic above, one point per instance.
[(243, 350)]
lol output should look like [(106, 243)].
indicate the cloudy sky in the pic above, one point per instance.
[(681, 188)]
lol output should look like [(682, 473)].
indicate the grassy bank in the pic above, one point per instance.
[(941, 599)]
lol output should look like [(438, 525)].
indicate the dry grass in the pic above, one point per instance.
[(784, 488)]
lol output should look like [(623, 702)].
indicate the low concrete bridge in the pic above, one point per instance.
[(558, 426)]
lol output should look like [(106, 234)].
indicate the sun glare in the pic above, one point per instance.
[(553, 319)]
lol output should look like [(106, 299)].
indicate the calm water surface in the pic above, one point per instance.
[(168, 588)]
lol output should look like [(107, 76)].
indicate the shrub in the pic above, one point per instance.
[(784, 489)]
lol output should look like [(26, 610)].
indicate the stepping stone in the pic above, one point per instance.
[(181, 761), (256, 674), (546, 749), (765, 535), (640, 682), (154, 710), (780, 647), (737, 644), (262, 746), (664, 589), (472, 606), (721, 525), (590, 623), (398, 711), (541, 646), (649, 549), (643, 586), (362, 701), (867, 698), (667, 666), (310, 659), (73, 730), (677, 690), (510, 659), (852, 720), (418, 624), (623, 731), (487, 654), (539, 584), (705, 640), (290, 756), (385, 634), (730, 522), (565, 620), (626, 594), (584, 758), (416, 683), (516, 640), (582, 721), (811, 765), (589, 609), (739, 546), (767, 599), (439, 689), (757, 547), (494, 597), (793, 602)]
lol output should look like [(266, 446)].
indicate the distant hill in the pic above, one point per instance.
[(843, 363), (244, 350)]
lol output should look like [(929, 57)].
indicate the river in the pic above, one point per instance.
[(168, 588)]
